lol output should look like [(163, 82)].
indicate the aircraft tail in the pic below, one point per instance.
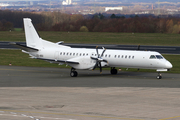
[(32, 38)]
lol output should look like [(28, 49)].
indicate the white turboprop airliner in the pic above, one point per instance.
[(82, 58)]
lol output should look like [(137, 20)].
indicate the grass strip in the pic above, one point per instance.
[(99, 38)]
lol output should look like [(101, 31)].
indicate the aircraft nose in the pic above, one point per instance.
[(168, 65)]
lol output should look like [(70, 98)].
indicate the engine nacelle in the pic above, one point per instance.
[(84, 63)]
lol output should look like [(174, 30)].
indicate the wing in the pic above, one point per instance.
[(59, 61)]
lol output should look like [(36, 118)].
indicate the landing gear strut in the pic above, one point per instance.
[(159, 76), (113, 71), (73, 73)]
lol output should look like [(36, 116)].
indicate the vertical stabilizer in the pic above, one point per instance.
[(32, 38)]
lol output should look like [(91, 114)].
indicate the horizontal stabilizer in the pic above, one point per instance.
[(23, 47)]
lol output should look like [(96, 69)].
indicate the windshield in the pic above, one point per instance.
[(156, 57), (152, 57), (159, 57)]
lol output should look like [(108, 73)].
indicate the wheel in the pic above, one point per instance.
[(76, 74), (113, 71), (159, 77), (73, 74)]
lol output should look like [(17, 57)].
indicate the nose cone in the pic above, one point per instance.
[(168, 65)]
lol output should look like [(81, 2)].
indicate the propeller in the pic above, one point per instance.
[(99, 59)]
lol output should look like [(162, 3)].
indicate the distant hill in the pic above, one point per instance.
[(151, 1)]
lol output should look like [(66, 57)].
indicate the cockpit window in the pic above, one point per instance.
[(159, 57), (156, 57), (152, 57)]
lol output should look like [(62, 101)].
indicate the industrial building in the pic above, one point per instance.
[(113, 8), (67, 2)]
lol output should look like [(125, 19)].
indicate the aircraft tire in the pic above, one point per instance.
[(159, 77), (73, 74), (113, 71)]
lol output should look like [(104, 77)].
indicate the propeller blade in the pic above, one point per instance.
[(95, 65), (94, 58), (105, 61), (100, 67), (97, 51), (104, 49), (99, 59)]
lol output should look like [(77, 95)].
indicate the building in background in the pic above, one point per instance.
[(113, 8), (67, 2)]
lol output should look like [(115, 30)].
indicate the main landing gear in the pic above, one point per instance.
[(73, 73), (113, 71), (159, 76)]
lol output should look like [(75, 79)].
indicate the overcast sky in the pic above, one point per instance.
[(101, 0)]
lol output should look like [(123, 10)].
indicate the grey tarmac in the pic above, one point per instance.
[(32, 93)]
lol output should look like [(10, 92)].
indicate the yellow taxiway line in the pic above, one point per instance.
[(170, 118)]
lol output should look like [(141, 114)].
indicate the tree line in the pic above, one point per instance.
[(122, 24), (57, 21)]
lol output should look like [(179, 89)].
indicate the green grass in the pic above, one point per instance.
[(113, 38), (18, 58), (18, 29), (99, 38)]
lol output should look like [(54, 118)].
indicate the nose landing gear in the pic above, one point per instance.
[(159, 76)]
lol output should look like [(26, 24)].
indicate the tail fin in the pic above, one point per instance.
[(32, 38)]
